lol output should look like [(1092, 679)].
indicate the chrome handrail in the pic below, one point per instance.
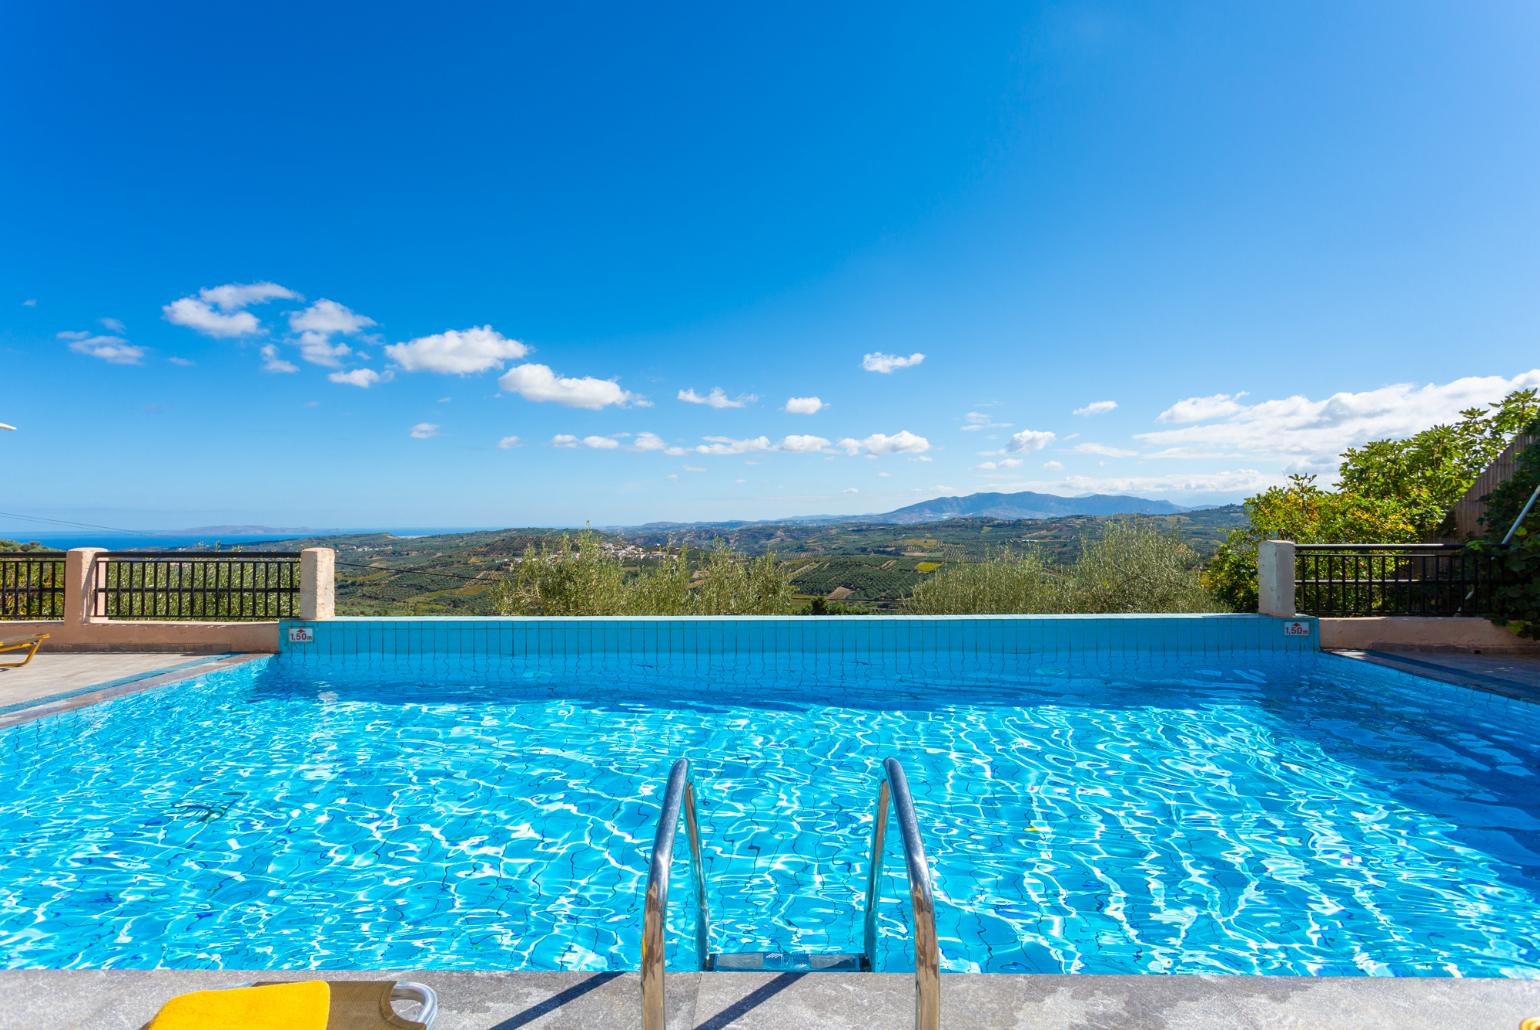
[(927, 950), (680, 793)]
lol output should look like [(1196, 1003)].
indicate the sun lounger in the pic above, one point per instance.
[(303, 1005), (29, 644)]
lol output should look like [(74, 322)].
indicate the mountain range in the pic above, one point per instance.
[(1023, 504)]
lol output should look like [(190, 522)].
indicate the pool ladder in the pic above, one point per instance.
[(680, 796)]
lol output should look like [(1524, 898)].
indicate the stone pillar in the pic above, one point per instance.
[(80, 585), (317, 583), (1275, 578)]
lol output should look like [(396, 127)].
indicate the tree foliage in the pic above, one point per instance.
[(1130, 567), (578, 576), (1388, 491)]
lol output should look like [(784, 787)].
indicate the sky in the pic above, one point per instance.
[(381, 265)]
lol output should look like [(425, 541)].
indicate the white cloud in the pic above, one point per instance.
[(1200, 409), (114, 325), (975, 421), (1104, 450), (1053, 466), (318, 349), (182, 362), (539, 383), (327, 317), (1097, 408), (1305, 434), (1229, 481), (198, 313), (717, 398), (1003, 463), (458, 351), (850, 490), (648, 442), (234, 296), (112, 349), (1030, 440), (506, 442), (598, 443), (317, 324), (360, 377), (425, 430), (888, 363), (30, 302), (692, 468), (1215, 485), (271, 362), (901, 442), (804, 405), (804, 443), (727, 445)]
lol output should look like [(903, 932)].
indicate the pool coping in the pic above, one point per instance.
[(44, 999), (83, 697)]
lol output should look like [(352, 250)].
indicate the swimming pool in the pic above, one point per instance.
[(1095, 811)]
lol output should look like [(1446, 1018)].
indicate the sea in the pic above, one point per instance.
[(152, 540)]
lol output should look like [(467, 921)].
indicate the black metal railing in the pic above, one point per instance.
[(1393, 579), (172, 585), (31, 586)]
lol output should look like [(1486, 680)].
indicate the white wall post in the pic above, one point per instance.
[(317, 583), (80, 585), (1275, 578)]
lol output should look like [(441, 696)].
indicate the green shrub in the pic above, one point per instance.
[(1130, 567), (1134, 567), (576, 576), (1008, 583)]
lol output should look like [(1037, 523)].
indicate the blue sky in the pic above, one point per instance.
[(316, 266)]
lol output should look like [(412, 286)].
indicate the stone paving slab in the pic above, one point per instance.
[(62, 699), (58, 673), (125, 1000), (1515, 676)]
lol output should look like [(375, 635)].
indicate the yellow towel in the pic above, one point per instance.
[(291, 1006)]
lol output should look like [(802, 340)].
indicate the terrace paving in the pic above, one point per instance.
[(53, 683), (1511, 675), (124, 1000)]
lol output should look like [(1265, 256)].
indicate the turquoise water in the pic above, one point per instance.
[(1289, 815)]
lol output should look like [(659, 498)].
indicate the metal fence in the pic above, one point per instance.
[(31, 586), (173, 585), (1392, 579)]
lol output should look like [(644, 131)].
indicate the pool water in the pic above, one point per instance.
[(1298, 814)]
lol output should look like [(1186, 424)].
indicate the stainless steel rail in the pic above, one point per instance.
[(927, 950), (680, 794)]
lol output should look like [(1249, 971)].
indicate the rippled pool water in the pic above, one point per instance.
[(1295, 815)]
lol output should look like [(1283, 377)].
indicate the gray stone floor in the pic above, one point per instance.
[(57, 695), (50, 674), (1511, 675), (45, 1000)]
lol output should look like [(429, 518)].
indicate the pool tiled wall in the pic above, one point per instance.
[(1068, 635)]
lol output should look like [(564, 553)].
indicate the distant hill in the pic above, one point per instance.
[(1025, 504), (865, 561)]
